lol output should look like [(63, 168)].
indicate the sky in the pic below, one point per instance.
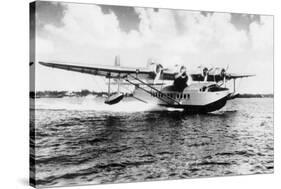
[(95, 34)]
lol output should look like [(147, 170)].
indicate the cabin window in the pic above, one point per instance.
[(188, 96), (184, 96), (178, 96)]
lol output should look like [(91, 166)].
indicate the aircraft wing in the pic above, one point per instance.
[(218, 77), (106, 71), (112, 71), (235, 76)]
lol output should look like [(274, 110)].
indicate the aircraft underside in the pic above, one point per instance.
[(214, 106)]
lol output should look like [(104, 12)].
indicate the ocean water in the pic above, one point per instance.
[(83, 141)]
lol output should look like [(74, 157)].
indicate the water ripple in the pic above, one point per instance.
[(81, 146)]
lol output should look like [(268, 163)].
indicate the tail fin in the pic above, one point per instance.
[(117, 64), (117, 61)]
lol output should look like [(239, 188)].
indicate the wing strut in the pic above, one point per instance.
[(108, 92), (233, 95), (115, 97), (234, 85), (142, 82)]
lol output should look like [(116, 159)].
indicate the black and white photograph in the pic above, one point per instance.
[(124, 94)]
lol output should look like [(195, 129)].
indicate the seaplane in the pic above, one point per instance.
[(200, 91)]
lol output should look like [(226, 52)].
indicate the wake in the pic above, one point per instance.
[(95, 103)]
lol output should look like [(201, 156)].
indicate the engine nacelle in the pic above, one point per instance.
[(223, 72), (217, 71), (178, 68), (205, 72), (217, 74)]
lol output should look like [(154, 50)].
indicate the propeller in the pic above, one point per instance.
[(155, 67)]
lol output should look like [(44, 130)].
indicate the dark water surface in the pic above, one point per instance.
[(84, 146)]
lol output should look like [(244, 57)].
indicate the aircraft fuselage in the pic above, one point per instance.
[(195, 98)]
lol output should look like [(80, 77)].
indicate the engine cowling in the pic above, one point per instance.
[(217, 74), (205, 72), (223, 72)]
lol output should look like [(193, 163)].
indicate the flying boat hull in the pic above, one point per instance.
[(211, 107), (192, 99)]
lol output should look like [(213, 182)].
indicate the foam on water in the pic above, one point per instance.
[(95, 103)]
